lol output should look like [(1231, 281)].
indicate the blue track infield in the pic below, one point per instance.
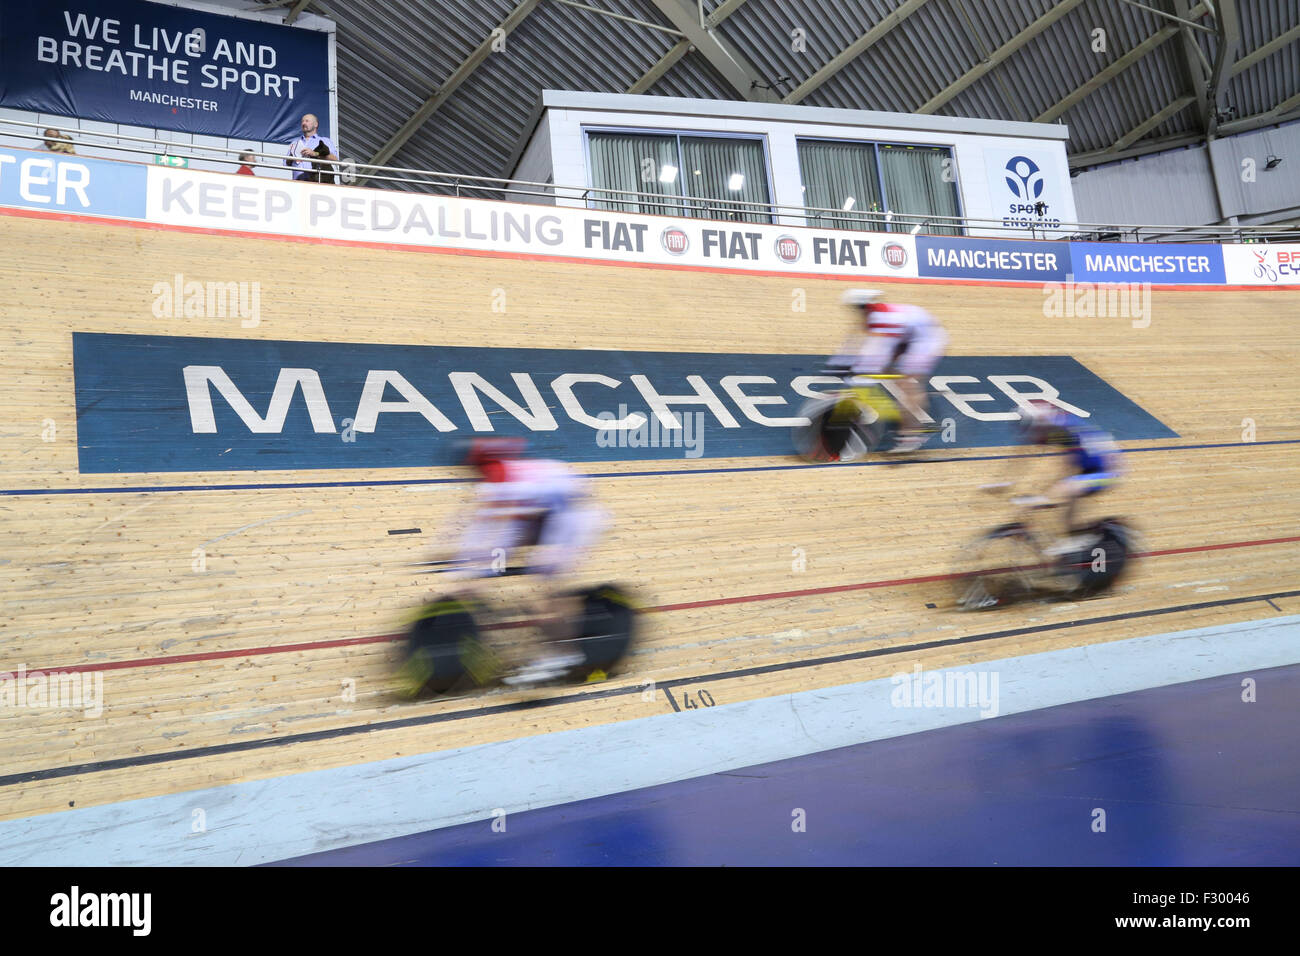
[(1185, 775)]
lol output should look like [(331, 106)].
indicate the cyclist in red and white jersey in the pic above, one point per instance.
[(542, 505), (901, 339)]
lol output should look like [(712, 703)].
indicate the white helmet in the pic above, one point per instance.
[(861, 297)]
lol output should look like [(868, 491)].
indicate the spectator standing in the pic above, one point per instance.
[(306, 156), (58, 143), (247, 159)]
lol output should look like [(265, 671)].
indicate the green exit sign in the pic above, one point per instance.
[(180, 162)]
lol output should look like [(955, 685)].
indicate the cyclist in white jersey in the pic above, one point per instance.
[(896, 338), (538, 504)]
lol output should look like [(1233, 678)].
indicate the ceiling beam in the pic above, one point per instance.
[(1115, 69), (665, 63), (1267, 50), (621, 16), (854, 50), (1225, 22), (724, 10), (1276, 115), (453, 82), (1168, 16), (1000, 54), (722, 56), (1243, 125), (298, 8), (1198, 70), (1147, 125), (1097, 157)]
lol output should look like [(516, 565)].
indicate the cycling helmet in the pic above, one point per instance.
[(867, 300), (861, 297), (488, 456)]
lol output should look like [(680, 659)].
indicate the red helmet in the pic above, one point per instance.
[(487, 456)]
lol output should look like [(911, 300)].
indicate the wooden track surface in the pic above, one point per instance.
[(93, 579)]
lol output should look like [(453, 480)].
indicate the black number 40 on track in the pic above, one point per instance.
[(704, 697)]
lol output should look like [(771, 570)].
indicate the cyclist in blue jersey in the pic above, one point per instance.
[(1092, 462)]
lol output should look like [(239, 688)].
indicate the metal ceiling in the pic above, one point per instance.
[(420, 84)]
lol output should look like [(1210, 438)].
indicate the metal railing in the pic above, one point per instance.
[(350, 172)]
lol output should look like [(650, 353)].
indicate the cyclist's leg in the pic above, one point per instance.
[(568, 533), (917, 362), (1070, 491)]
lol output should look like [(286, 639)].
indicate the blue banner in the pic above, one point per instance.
[(145, 64), (1173, 263), (70, 184), (963, 258), (163, 404)]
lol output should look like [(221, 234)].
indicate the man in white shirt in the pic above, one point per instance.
[(308, 145)]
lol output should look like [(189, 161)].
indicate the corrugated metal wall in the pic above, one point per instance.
[(1171, 189)]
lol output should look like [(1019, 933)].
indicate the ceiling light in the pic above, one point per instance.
[(667, 173), (736, 181), (848, 203)]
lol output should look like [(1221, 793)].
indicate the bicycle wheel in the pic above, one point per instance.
[(445, 652), (1096, 567), (832, 432), (997, 569), (605, 633)]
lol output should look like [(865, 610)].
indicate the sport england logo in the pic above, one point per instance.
[(1026, 179)]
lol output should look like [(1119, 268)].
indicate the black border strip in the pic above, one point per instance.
[(142, 760)]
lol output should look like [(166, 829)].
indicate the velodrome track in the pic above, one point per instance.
[(241, 671)]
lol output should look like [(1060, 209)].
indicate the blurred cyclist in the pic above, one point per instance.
[(1091, 463), (543, 505), (900, 339)]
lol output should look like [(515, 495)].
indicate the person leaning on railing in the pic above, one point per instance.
[(56, 142), (310, 154)]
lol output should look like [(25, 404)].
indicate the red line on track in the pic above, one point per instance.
[(712, 602)]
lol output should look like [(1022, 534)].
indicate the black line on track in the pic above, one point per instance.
[(665, 473), (142, 760)]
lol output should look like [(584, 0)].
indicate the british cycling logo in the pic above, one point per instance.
[(1263, 268), (1278, 264), (1028, 179)]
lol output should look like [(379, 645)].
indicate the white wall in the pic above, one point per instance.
[(1250, 191), (535, 166), (1177, 187), (568, 153), (1174, 188)]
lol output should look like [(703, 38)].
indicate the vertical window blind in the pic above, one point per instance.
[(866, 181), (722, 172)]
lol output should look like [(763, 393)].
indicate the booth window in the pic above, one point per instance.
[(871, 186), (718, 172)]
